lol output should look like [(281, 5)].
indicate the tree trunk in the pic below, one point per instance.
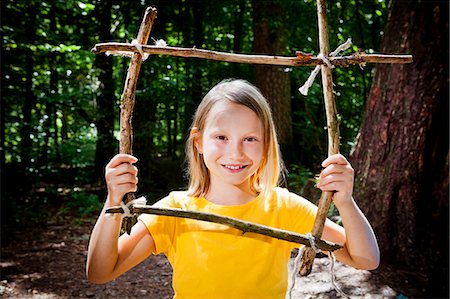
[(106, 145), (401, 156), (195, 75), (169, 129), (175, 127), (273, 81), (238, 34), (50, 109), (29, 97), (2, 128)]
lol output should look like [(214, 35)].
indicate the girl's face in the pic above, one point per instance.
[(232, 144)]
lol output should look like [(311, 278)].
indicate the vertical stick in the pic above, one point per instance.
[(333, 134), (128, 97)]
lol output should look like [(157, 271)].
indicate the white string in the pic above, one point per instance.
[(119, 53), (325, 59), (343, 47), (297, 259), (138, 46), (160, 43), (312, 242), (332, 259), (304, 89), (295, 271), (126, 207), (126, 210)]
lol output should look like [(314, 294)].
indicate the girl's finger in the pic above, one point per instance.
[(337, 169), (344, 176), (113, 174), (125, 168), (121, 158), (328, 179), (333, 168), (124, 188), (334, 186), (123, 179), (335, 159)]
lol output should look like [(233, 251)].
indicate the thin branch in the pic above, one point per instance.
[(244, 226), (127, 49), (128, 97), (333, 135)]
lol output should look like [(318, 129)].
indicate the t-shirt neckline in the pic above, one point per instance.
[(219, 206)]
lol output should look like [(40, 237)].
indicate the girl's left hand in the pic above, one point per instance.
[(337, 176)]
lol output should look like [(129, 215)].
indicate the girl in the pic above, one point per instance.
[(234, 167)]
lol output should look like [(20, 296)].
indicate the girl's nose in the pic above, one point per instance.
[(236, 150)]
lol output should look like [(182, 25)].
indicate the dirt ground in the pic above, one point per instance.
[(49, 262)]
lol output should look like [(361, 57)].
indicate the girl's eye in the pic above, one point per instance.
[(221, 137), (251, 139)]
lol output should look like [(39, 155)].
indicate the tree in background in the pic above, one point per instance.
[(29, 97), (401, 156), (75, 94), (270, 37), (105, 99)]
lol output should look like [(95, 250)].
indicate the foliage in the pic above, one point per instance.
[(51, 86), (85, 204)]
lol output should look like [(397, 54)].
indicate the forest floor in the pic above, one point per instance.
[(49, 262)]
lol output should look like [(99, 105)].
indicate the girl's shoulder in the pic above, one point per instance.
[(178, 195), (284, 194), (176, 199), (287, 198)]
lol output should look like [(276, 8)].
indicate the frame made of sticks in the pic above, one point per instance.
[(138, 50)]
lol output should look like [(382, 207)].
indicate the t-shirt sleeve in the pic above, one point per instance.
[(161, 228), (301, 213)]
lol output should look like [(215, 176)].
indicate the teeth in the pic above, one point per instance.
[(233, 167)]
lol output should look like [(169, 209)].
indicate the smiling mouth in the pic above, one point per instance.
[(235, 167)]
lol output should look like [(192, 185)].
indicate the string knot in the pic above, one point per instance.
[(138, 47), (296, 267), (304, 89), (301, 250), (126, 207), (312, 242), (325, 60)]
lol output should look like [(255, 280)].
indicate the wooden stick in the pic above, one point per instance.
[(244, 226), (128, 98), (357, 58), (333, 135)]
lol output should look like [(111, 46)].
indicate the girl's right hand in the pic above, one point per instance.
[(121, 177)]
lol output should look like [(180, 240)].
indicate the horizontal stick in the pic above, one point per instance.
[(358, 58), (241, 225)]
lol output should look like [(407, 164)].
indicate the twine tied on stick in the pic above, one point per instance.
[(304, 89)]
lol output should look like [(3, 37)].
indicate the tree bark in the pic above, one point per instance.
[(106, 145), (401, 156), (273, 81)]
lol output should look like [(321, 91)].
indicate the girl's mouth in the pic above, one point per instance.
[(234, 168)]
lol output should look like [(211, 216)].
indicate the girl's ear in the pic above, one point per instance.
[(195, 134)]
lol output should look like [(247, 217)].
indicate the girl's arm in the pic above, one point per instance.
[(360, 245), (108, 255)]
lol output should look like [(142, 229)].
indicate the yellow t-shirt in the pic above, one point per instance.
[(215, 261)]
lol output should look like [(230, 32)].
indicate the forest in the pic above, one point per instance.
[(60, 104)]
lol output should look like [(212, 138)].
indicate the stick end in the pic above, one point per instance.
[(307, 261), (150, 10)]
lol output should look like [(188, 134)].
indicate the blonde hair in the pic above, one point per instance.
[(241, 92)]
